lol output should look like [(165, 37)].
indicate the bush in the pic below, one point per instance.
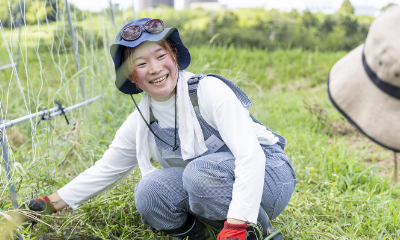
[(62, 41)]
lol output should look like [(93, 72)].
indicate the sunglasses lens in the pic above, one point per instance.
[(131, 33), (154, 26)]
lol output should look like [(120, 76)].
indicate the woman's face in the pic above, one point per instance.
[(155, 70)]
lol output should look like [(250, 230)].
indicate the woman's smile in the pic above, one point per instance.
[(160, 80)]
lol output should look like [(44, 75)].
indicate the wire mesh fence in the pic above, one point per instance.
[(36, 69)]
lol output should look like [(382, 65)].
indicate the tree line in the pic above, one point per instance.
[(246, 28)]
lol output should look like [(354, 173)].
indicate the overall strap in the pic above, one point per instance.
[(193, 84)]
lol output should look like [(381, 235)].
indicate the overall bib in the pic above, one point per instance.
[(203, 186)]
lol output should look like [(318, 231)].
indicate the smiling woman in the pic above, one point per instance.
[(153, 68), (221, 166)]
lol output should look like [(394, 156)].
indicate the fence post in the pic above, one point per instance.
[(75, 47), (8, 168)]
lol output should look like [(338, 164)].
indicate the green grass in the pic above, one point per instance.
[(338, 194)]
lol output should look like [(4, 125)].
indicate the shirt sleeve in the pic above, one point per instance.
[(117, 162), (221, 109)]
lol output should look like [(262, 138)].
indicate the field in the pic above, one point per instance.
[(344, 188)]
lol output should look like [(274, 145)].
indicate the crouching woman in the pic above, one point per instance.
[(220, 165)]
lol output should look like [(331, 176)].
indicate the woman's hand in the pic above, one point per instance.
[(233, 229), (57, 202), (46, 205), (42, 205)]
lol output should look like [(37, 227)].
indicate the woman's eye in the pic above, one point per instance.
[(163, 55), (141, 64)]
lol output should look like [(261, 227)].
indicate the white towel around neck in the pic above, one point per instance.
[(190, 133)]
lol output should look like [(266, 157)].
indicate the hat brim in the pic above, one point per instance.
[(375, 113)]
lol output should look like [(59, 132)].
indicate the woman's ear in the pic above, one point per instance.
[(130, 78)]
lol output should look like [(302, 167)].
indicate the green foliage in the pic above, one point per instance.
[(346, 8), (37, 11), (270, 30), (389, 6), (6, 10), (61, 41), (244, 28), (308, 19)]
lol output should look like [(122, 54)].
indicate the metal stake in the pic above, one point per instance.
[(7, 66), (8, 168), (75, 47), (52, 112)]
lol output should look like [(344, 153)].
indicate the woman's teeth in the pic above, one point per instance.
[(159, 80)]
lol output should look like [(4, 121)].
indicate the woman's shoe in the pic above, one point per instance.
[(264, 228), (193, 229), (254, 233)]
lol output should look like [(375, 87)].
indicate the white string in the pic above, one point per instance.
[(34, 90)]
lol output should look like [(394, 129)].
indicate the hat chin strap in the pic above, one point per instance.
[(175, 147), (176, 110)]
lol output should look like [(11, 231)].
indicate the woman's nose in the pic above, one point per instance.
[(155, 68)]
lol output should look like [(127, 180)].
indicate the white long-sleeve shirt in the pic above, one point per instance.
[(222, 110)]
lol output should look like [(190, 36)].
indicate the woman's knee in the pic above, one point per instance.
[(146, 195), (279, 184), (162, 187), (204, 174), (193, 176), (198, 176), (209, 187), (284, 198)]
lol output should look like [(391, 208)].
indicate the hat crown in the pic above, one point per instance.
[(138, 22), (382, 47)]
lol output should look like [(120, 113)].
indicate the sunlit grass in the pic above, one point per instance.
[(337, 196)]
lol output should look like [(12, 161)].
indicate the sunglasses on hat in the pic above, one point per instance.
[(133, 32)]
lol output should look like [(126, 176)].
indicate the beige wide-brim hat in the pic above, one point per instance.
[(365, 84)]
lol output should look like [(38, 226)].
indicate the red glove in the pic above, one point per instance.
[(41, 205), (233, 231)]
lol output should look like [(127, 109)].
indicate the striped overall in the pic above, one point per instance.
[(203, 186)]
